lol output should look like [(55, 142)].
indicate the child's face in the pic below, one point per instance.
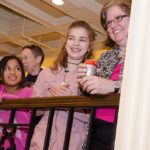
[(77, 44), (12, 73)]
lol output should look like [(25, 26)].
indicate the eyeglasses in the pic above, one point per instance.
[(115, 20)]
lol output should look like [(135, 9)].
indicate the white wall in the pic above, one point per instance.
[(133, 129)]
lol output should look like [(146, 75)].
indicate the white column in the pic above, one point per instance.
[(133, 129)]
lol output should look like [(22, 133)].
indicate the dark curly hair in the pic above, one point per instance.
[(3, 64)]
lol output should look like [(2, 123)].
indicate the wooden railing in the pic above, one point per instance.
[(52, 103)]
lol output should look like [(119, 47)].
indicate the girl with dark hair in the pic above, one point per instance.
[(12, 86)]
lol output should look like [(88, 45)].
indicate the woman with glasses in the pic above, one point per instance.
[(115, 18)]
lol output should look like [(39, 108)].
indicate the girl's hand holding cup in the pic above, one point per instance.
[(86, 69), (90, 67)]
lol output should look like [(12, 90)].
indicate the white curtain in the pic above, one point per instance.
[(133, 128)]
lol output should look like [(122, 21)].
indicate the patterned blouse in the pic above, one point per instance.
[(107, 63), (109, 67)]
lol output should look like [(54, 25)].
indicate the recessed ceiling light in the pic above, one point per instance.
[(58, 2)]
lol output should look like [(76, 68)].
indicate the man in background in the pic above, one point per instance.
[(32, 57)]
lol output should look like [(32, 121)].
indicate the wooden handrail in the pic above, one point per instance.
[(71, 102), (63, 101)]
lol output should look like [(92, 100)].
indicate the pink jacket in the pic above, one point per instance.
[(21, 116), (45, 80)]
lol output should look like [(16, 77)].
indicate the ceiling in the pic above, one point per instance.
[(41, 22)]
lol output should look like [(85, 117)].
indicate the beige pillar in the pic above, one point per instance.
[(133, 129)]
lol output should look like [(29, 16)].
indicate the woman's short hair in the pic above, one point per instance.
[(124, 5), (36, 51)]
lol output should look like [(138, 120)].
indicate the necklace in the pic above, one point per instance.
[(66, 70), (73, 63)]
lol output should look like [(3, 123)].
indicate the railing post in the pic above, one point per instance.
[(68, 129), (90, 129), (49, 128), (31, 128), (114, 128), (53, 103)]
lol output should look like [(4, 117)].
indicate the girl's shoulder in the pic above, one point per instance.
[(108, 52), (49, 72), (2, 88), (25, 92), (26, 89), (46, 71), (1, 85), (22, 93), (44, 74)]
